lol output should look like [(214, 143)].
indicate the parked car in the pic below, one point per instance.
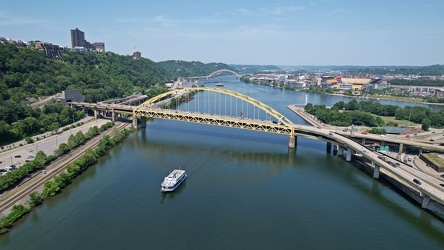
[(10, 167), (30, 157), (364, 132), (417, 181), (18, 156), (3, 170)]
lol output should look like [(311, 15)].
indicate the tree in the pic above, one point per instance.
[(50, 188), (63, 148), (425, 124), (34, 199)]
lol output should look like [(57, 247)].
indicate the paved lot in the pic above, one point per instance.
[(48, 145)]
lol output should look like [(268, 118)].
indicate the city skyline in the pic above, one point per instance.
[(318, 32)]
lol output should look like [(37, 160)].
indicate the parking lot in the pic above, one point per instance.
[(20, 155)]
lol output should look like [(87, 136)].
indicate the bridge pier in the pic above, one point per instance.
[(363, 141), (113, 115), (95, 114), (135, 122), (348, 156), (420, 151), (382, 143), (292, 141), (401, 149), (425, 201), (335, 149), (328, 149), (376, 170), (142, 123), (340, 150)]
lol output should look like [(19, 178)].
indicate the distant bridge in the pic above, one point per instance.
[(217, 72)]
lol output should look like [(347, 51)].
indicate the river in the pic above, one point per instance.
[(245, 190)]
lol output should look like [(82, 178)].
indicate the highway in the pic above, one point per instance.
[(429, 185)]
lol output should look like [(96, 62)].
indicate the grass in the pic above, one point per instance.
[(435, 159), (400, 123)]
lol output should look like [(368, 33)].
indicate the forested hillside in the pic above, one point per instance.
[(182, 68), (28, 75)]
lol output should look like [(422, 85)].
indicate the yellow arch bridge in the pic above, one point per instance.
[(216, 106)]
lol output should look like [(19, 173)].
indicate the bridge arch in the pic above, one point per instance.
[(281, 119), (224, 70)]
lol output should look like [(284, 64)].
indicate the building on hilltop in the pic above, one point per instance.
[(100, 47), (52, 51), (137, 55), (78, 38), (78, 41)]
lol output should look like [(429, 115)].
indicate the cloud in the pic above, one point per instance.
[(8, 19), (165, 21), (275, 11)]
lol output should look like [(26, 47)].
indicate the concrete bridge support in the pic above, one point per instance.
[(335, 149), (328, 149), (363, 141), (376, 170), (340, 150), (382, 143), (292, 141), (348, 156), (95, 114), (425, 201), (113, 115), (401, 149), (135, 122)]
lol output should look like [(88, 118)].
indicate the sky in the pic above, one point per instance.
[(259, 32)]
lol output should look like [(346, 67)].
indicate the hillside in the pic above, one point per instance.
[(184, 69), (28, 75)]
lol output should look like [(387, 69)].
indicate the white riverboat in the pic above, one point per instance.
[(173, 180)]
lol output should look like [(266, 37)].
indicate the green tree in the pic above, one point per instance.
[(425, 124), (50, 188), (35, 199)]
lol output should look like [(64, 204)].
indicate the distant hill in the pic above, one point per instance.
[(254, 69), (178, 68), (432, 70)]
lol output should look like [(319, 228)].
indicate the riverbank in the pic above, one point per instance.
[(18, 197)]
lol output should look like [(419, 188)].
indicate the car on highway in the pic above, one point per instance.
[(416, 181), (383, 136), (364, 132), (330, 133), (18, 156)]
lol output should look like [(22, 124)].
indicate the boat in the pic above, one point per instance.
[(219, 84), (173, 180)]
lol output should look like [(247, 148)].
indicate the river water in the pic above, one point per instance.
[(245, 190)]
